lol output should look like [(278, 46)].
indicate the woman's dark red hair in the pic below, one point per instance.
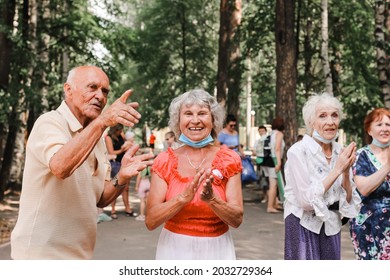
[(278, 123), (374, 115)]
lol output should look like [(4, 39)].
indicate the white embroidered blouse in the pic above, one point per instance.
[(305, 169)]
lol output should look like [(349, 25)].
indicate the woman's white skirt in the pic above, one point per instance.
[(174, 246)]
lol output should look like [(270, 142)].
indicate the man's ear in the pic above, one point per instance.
[(67, 90)]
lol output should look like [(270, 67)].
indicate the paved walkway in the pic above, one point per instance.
[(260, 236)]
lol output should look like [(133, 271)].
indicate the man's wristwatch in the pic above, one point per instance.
[(114, 182)]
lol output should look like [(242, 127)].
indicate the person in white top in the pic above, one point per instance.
[(257, 151), (277, 147), (67, 172), (319, 189)]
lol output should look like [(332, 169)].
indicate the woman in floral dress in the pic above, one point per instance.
[(370, 230)]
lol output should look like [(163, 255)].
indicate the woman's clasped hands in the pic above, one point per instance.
[(347, 158), (202, 178)]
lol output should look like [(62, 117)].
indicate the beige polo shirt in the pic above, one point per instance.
[(57, 218)]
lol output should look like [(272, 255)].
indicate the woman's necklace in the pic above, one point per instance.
[(328, 157), (331, 152), (193, 166)]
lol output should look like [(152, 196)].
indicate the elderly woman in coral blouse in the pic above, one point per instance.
[(195, 189)]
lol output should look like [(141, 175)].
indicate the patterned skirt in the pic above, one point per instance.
[(303, 244)]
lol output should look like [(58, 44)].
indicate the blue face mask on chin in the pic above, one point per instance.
[(379, 144), (193, 144), (318, 137)]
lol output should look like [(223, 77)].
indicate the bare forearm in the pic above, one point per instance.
[(366, 185), (278, 156), (160, 213), (330, 179), (117, 152), (347, 187), (109, 194), (73, 154), (230, 214)]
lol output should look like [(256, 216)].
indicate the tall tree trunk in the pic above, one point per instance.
[(65, 53), (9, 150), (229, 57), (308, 53), (382, 37), (324, 47), (29, 31), (286, 68), (31, 116), (223, 52), (248, 102), (7, 14), (37, 101), (3, 132), (234, 81), (44, 14)]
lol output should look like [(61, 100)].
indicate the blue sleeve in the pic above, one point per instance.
[(221, 138), (363, 165)]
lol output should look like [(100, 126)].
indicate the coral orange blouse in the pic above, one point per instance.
[(197, 218)]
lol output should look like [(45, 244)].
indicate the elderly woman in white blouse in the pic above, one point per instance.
[(319, 191)]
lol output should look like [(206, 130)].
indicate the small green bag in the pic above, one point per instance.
[(259, 160)]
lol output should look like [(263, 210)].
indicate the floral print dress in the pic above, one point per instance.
[(370, 229)]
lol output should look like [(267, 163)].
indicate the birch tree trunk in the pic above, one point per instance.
[(382, 37), (308, 54), (324, 47)]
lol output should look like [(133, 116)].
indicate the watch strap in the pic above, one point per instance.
[(115, 183)]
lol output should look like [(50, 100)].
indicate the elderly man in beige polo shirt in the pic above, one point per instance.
[(67, 174)]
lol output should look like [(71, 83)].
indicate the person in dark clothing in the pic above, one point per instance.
[(116, 147)]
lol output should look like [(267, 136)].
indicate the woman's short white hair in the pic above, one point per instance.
[(196, 97), (319, 101)]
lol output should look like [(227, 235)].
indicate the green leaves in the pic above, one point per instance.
[(174, 49), (162, 48)]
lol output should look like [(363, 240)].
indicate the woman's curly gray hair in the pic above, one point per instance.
[(196, 97), (316, 101)]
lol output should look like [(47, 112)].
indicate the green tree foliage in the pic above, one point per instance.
[(353, 47), (46, 39), (174, 48), (352, 56), (258, 44)]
